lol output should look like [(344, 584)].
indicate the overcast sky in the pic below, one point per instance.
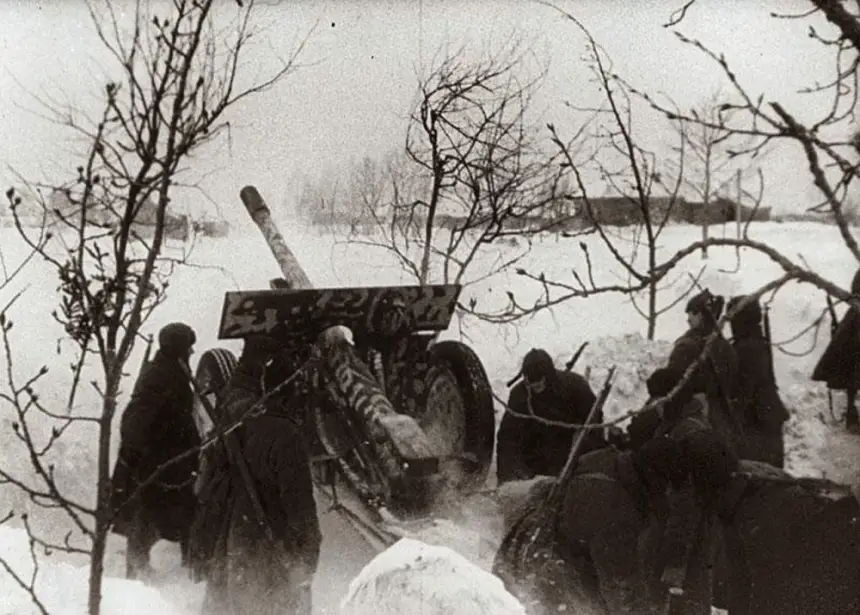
[(361, 74)]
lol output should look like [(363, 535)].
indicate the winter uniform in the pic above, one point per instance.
[(685, 467), (246, 572), (605, 508), (526, 448), (758, 398), (716, 377), (839, 365), (157, 426)]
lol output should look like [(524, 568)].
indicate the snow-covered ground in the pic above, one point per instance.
[(406, 578), (609, 322)]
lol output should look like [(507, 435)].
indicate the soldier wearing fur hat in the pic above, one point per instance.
[(758, 397), (156, 427), (715, 376), (525, 447)]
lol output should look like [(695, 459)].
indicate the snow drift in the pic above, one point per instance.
[(414, 577), (62, 587)]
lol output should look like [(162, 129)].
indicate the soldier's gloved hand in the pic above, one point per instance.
[(673, 577)]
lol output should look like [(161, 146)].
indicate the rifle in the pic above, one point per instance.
[(834, 324), (569, 365), (146, 352), (237, 460), (768, 338), (541, 533)]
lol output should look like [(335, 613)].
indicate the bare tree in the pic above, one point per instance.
[(178, 72), (754, 126), (828, 143), (471, 172), (641, 199), (712, 168)]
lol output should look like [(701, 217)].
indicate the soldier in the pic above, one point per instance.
[(758, 398), (839, 365), (526, 447), (156, 427), (684, 467), (262, 561), (717, 375)]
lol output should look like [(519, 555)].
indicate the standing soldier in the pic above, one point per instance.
[(839, 365), (758, 397), (263, 559), (717, 375), (526, 447), (156, 427)]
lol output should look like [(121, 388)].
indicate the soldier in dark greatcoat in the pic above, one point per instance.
[(526, 447), (262, 561), (685, 467), (157, 427), (717, 375), (636, 519), (839, 365), (758, 397)]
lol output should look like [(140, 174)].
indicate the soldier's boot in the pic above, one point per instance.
[(139, 542), (852, 419)]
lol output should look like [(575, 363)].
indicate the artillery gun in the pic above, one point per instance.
[(393, 414)]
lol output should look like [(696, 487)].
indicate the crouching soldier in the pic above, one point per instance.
[(151, 499), (758, 397), (684, 468), (526, 447), (263, 559)]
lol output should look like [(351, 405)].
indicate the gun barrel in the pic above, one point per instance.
[(260, 213)]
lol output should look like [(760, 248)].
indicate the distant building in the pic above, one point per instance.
[(176, 226), (626, 210)]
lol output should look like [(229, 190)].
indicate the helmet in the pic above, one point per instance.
[(537, 364), (176, 339), (662, 380), (707, 304)]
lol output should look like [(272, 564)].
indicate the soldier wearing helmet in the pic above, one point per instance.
[(526, 447), (157, 426)]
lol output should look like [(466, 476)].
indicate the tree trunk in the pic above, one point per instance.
[(652, 308), (706, 205), (103, 511)]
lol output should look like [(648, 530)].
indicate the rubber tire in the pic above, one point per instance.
[(220, 363), (214, 368), (477, 394)]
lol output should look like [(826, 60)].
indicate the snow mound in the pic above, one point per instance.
[(62, 588), (634, 358), (414, 577)]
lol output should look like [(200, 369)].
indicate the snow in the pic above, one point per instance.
[(62, 587), (816, 445), (407, 578)]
